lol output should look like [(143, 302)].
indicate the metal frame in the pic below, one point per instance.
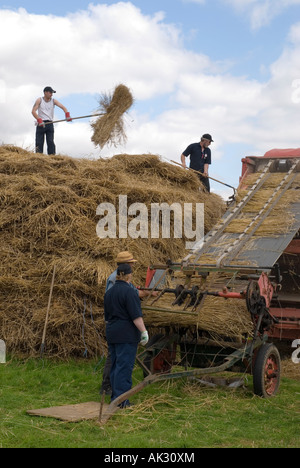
[(245, 352)]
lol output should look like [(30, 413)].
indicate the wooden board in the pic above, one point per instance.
[(71, 413)]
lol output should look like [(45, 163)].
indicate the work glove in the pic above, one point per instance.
[(40, 123), (144, 338), (68, 117)]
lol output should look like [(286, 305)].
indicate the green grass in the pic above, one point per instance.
[(174, 414)]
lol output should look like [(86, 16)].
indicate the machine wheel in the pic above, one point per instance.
[(253, 297), (149, 356), (266, 373), (159, 360)]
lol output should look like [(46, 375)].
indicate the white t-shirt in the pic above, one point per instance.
[(46, 109)]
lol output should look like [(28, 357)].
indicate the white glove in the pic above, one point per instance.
[(144, 338)]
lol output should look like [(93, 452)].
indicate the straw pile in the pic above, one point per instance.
[(290, 369), (109, 129), (48, 217)]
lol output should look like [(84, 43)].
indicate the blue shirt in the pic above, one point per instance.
[(112, 279), (121, 306), (198, 156)]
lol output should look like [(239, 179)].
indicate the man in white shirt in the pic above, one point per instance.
[(43, 112)]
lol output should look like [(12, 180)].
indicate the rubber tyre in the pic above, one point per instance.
[(266, 372)]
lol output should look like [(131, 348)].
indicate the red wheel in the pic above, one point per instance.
[(160, 357), (266, 374)]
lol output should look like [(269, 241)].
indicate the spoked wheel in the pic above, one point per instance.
[(160, 356), (266, 373), (253, 297)]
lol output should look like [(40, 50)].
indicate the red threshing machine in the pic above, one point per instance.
[(284, 301), (257, 264)]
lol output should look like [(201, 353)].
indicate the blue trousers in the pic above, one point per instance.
[(122, 362)]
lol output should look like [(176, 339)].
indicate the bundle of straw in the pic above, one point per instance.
[(216, 315), (109, 128)]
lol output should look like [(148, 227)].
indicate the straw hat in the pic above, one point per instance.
[(125, 257)]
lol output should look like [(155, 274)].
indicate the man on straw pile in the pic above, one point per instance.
[(123, 257), (43, 112), (125, 329), (200, 158)]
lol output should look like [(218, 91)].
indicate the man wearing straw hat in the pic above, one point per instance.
[(125, 329), (200, 158), (123, 257), (43, 112), (127, 257)]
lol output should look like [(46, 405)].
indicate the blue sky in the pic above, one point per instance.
[(227, 67)]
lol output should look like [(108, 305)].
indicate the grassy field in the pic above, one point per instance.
[(177, 414)]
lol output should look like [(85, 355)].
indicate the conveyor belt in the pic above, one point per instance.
[(224, 249)]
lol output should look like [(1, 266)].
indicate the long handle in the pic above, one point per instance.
[(73, 118), (47, 313), (113, 407), (101, 407), (212, 178)]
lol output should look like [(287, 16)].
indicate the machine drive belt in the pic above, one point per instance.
[(216, 233), (239, 243)]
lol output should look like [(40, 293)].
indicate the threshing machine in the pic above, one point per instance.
[(251, 259)]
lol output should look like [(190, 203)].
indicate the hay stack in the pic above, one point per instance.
[(48, 217), (110, 127)]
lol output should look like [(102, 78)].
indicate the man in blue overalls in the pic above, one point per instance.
[(125, 329)]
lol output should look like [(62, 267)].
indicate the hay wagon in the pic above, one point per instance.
[(227, 305)]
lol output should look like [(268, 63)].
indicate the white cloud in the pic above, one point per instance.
[(91, 51), (200, 2), (84, 50), (2, 92), (261, 12)]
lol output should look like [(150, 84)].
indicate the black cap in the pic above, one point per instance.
[(124, 269), (48, 88), (207, 136)]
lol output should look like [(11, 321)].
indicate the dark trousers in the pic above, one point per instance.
[(205, 182), (122, 362), (41, 133)]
